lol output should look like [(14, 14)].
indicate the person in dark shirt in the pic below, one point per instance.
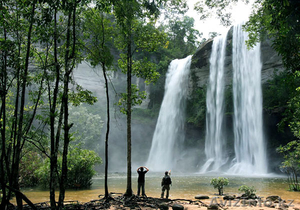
[(165, 183), (141, 179)]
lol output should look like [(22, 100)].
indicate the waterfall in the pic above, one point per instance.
[(215, 138), (168, 134), (250, 151)]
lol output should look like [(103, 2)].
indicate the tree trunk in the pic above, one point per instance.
[(54, 139), (69, 56), (107, 131), (3, 175), (129, 68), (64, 170), (221, 191), (17, 151)]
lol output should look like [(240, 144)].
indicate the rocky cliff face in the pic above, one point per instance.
[(199, 76), (200, 63)]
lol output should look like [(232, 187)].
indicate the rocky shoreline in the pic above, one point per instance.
[(202, 202)]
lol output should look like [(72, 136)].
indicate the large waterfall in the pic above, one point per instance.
[(250, 152), (168, 134), (249, 145), (215, 138)]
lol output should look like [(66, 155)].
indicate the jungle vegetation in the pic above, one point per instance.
[(42, 42)]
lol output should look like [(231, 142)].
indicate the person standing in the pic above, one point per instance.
[(141, 179), (165, 183)]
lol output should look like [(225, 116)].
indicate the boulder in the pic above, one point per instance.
[(213, 207), (201, 197), (163, 206), (229, 197), (177, 206), (273, 198)]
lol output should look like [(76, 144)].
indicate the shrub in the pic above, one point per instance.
[(80, 168), (29, 163), (291, 163), (43, 174), (219, 183), (248, 191)]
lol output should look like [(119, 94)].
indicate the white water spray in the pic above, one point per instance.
[(250, 151), (168, 134), (215, 138)]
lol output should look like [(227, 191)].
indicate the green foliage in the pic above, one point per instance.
[(29, 163), (136, 98), (145, 38), (98, 32), (291, 163), (80, 168), (81, 96), (43, 174), (248, 191), (196, 107), (279, 90), (293, 114), (219, 183), (181, 32), (87, 127), (216, 7), (182, 41), (141, 68), (148, 37), (277, 20)]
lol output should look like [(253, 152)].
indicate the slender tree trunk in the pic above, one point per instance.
[(107, 131), (13, 136), (3, 174), (129, 69), (16, 162), (64, 170), (63, 178), (68, 69), (54, 138), (107, 113)]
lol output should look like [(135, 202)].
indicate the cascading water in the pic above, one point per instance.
[(215, 139), (168, 134), (250, 152)]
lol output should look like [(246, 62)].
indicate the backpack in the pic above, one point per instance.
[(166, 180)]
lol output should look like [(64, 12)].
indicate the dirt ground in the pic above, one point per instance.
[(148, 203)]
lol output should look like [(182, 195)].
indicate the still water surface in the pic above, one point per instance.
[(183, 186)]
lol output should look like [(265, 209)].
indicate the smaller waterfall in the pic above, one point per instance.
[(215, 139), (168, 134), (250, 152)]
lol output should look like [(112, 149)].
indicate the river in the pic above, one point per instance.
[(183, 186)]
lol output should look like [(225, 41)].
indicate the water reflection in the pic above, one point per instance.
[(183, 186)]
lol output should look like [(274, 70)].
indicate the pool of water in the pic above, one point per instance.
[(183, 186)]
